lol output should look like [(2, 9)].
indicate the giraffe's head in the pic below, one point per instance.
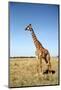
[(29, 27)]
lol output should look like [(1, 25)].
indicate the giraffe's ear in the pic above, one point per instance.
[(25, 29)]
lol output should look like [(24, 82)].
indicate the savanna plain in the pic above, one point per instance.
[(25, 71)]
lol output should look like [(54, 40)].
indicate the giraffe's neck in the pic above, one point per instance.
[(38, 45)]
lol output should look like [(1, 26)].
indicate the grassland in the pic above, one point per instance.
[(24, 72)]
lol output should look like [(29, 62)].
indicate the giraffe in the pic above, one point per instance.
[(41, 52)]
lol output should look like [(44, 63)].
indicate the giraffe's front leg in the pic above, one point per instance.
[(40, 61), (41, 64), (37, 55)]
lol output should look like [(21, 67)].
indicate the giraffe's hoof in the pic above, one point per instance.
[(45, 72), (49, 71), (53, 72)]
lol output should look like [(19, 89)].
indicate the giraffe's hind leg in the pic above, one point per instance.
[(49, 67), (48, 62)]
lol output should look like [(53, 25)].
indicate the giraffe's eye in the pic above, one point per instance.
[(28, 28)]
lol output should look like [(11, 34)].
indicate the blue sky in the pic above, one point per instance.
[(44, 20)]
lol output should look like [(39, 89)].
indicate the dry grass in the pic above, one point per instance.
[(25, 72)]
